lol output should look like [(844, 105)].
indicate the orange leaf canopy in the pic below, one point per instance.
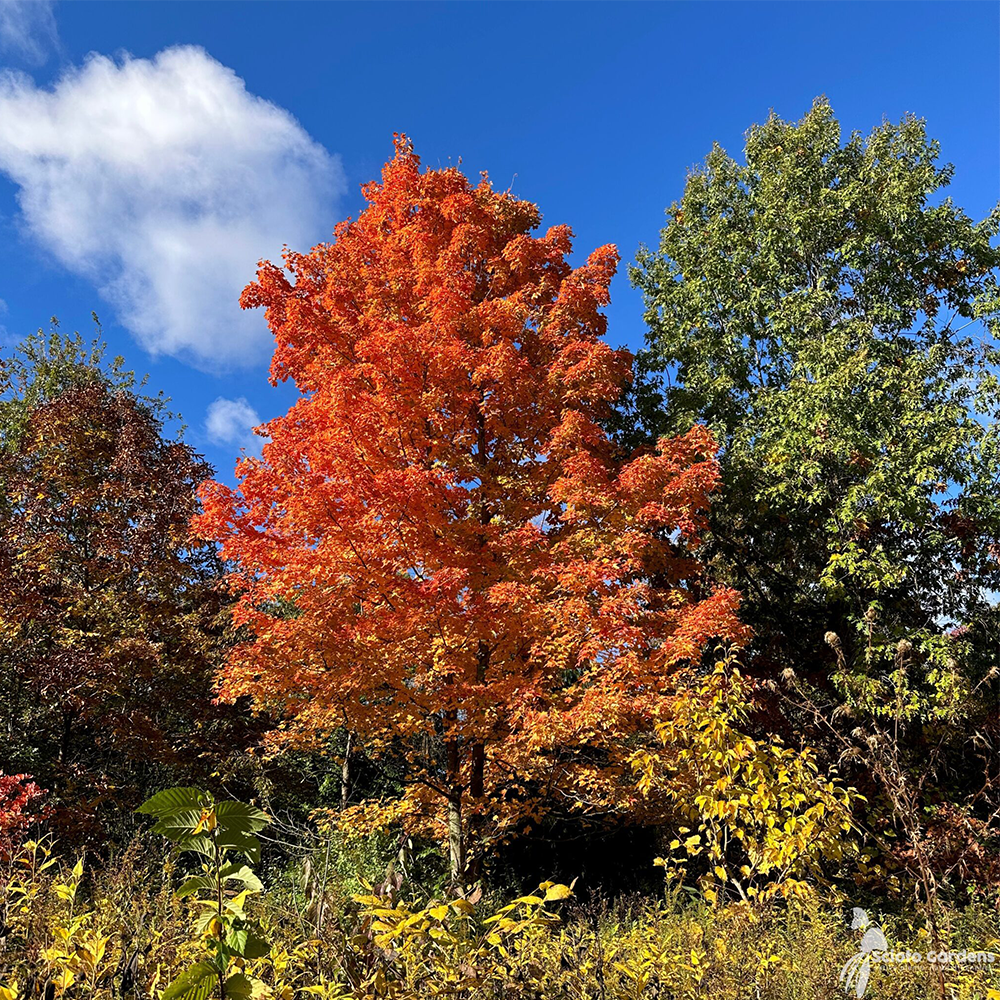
[(440, 541)]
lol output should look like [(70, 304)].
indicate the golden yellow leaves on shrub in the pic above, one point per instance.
[(755, 807)]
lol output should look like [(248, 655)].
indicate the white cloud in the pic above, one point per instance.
[(164, 182), (28, 29), (231, 421)]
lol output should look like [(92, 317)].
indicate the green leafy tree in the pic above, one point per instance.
[(832, 317), (827, 314)]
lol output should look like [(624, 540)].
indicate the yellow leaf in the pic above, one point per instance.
[(558, 892)]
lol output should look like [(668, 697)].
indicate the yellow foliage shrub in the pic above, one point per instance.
[(120, 933)]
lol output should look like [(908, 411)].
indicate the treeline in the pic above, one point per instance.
[(496, 592)]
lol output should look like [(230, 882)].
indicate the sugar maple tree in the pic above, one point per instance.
[(440, 548)]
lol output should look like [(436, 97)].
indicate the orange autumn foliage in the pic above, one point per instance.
[(440, 548)]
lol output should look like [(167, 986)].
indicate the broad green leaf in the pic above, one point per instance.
[(239, 987), (197, 883), (196, 983), (256, 947), (236, 940), (242, 873), (245, 844), (174, 800), (240, 818), (179, 828)]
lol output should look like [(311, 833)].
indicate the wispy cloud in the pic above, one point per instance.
[(164, 181), (231, 422), (28, 30)]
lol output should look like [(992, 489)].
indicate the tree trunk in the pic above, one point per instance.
[(456, 834), (345, 773), (477, 779), (456, 846), (476, 783)]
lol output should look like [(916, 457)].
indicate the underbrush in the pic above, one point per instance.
[(121, 931)]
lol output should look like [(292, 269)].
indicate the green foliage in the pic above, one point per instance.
[(833, 318), (44, 365), (219, 833), (823, 310)]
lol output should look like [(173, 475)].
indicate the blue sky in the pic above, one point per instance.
[(143, 180)]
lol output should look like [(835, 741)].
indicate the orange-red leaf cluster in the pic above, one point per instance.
[(440, 544)]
